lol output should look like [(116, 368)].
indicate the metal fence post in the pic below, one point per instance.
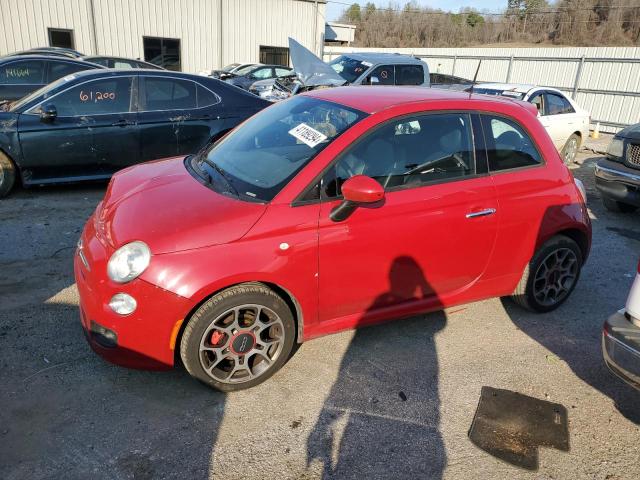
[(509, 70), (453, 69), (578, 75)]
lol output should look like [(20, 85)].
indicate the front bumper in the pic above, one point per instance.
[(619, 182), (144, 339), (621, 348)]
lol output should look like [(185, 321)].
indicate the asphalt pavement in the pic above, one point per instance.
[(393, 401)]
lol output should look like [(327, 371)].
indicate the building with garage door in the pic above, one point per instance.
[(186, 35)]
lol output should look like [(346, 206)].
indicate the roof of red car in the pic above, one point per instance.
[(372, 99)]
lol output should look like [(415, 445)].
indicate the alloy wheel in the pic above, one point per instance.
[(241, 344), (555, 277)]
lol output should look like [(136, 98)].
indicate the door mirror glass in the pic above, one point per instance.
[(48, 113)]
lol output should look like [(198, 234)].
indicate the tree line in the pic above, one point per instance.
[(566, 22)]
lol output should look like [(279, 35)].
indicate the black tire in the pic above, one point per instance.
[(570, 149), (7, 175), (200, 324), (616, 206), (524, 294)]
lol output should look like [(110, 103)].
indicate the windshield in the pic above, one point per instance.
[(41, 91), (349, 68), (245, 70), (260, 157), (496, 92), (230, 67)]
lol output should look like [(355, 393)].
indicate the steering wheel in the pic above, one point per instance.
[(431, 163)]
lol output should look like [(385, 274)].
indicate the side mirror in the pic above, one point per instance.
[(48, 113), (358, 190)]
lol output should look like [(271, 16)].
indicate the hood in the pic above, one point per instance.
[(312, 71), (163, 205), (631, 132)]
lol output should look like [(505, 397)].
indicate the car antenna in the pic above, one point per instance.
[(475, 77)]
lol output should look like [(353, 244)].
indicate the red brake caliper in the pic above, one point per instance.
[(216, 338)]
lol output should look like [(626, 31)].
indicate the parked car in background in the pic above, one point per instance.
[(245, 77), (618, 176), (566, 122), (120, 62), (226, 71), (52, 51), (264, 88), (449, 82), (21, 75), (348, 69), (621, 338), (229, 257), (90, 124)]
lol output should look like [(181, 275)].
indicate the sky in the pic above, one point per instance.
[(334, 10)]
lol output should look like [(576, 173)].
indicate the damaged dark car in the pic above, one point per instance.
[(88, 125)]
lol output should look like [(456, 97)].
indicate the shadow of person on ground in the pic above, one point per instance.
[(382, 416)]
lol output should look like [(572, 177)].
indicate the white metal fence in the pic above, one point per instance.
[(604, 80)]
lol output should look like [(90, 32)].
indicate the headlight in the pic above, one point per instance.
[(128, 262), (616, 147), (261, 88)]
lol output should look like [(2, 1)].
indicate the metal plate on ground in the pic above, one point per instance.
[(511, 426)]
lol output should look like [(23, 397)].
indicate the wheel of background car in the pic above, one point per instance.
[(550, 276), (238, 338), (618, 207), (7, 174), (570, 149)]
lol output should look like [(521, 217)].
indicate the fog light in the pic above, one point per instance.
[(123, 304)]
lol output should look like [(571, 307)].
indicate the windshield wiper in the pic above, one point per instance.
[(203, 158)]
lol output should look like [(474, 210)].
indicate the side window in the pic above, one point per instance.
[(537, 101), (409, 75), (110, 95), (508, 145), (117, 63), (62, 69), (28, 72), (409, 152), (556, 104), (263, 73), (168, 94), (206, 97), (382, 75)]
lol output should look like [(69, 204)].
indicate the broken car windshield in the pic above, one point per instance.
[(349, 68)]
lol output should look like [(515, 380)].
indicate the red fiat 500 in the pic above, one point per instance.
[(335, 209)]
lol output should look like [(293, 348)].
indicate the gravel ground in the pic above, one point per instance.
[(393, 401)]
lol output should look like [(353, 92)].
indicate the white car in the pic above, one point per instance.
[(621, 338), (565, 121)]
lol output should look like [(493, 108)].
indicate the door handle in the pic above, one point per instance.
[(121, 123), (481, 213)]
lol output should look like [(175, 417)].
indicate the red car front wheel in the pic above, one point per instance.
[(238, 338)]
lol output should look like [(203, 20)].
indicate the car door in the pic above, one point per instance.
[(558, 118), (381, 75), (171, 122), (20, 77), (93, 130), (428, 240)]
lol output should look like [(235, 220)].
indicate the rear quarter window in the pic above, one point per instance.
[(409, 75), (508, 144)]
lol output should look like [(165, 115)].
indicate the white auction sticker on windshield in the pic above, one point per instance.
[(366, 64), (307, 135)]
